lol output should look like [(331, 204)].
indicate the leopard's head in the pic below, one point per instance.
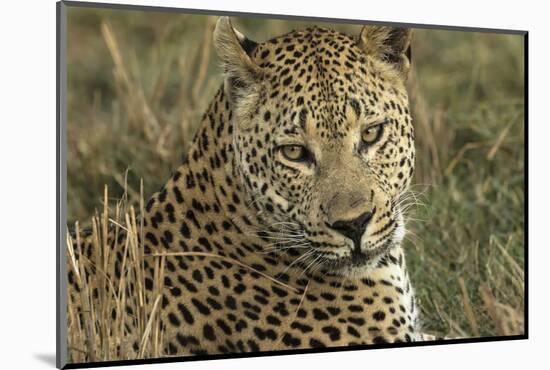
[(323, 139)]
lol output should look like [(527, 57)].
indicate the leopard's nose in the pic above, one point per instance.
[(353, 229)]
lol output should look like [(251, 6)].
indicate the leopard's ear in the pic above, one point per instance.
[(390, 44), (234, 49)]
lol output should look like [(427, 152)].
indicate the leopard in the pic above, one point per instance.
[(283, 227)]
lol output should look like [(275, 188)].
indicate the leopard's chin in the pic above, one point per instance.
[(358, 263)]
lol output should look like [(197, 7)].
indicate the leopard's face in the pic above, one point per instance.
[(324, 146)]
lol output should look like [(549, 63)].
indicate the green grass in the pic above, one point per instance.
[(472, 223), (139, 82)]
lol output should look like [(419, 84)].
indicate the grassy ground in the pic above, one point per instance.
[(138, 83)]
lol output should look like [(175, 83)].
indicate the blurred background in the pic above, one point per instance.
[(138, 83)]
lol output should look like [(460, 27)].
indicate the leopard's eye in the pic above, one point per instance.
[(371, 134), (295, 153)]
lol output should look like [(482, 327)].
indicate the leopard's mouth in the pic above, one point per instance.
[(336, 258), (357, 261)]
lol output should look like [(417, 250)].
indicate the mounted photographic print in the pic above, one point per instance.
[(236, 185)]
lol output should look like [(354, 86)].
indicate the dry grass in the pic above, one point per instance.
[(138, 85), (100, 333)]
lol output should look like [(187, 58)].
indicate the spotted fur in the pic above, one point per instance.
[(291, 254)]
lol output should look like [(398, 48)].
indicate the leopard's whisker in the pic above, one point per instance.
[(276, 249), (287, 244), (311, 263), (303, 256)]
